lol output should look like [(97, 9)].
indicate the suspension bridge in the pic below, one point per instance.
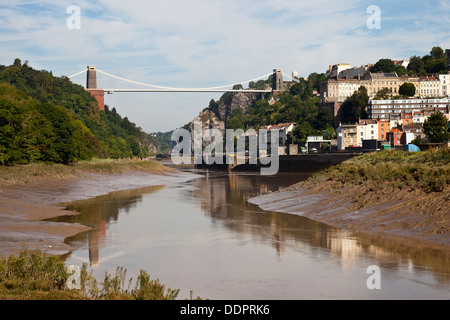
[(277, 85)]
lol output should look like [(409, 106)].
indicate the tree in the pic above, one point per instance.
[(383, 65), (416, 65), (303, 131), (325, 119), (401, 71), (436, 128), (437, 53), (236, 120), (383, 94), (354, 107), (407, 89)]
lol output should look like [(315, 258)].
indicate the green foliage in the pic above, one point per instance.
[(46, 118), (34, 275), (432, 63), (416, 65), (436, 128), (354, 107), (383, 65), (407, 89), (383, 94), (428, 171)]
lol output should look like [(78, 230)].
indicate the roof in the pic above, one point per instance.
[(384, 75), (278, 126), (395, 130)]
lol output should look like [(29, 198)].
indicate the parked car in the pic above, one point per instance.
[(313, 150)]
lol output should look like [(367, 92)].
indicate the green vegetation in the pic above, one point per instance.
[(435, 62), (407, 90), (354, 107), (298, 104), (162, 141), (432, 63), (20, 174), (436, 128), (428, 171), (33, 275), (51, 119)]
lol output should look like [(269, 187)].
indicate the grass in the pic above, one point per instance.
[(33, 275), (428, 171), (21, 174)]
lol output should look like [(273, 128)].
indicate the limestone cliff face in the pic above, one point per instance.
[(208, 121), (240, 100), (215, 117)]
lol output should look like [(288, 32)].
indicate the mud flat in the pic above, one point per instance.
[(387, 210), (24, 208)]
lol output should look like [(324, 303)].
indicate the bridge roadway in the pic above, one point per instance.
[(111, 91)]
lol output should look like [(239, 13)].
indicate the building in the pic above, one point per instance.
[(338, 89), (366, 130), (394, 136), (284, 129), (445, 84), (385, 109), (378, 81), (414, 130), (429, 87), (401, 63), (335, 70), (347, 136), (407, 118), (418, 117), (355, 72), (383, 128)]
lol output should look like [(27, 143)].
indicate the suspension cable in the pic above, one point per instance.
[(171, 88), (77, 74)]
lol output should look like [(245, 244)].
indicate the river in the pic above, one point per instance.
[(203, 235)]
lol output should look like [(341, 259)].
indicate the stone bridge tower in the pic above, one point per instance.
[(277, 82), (91, 87)]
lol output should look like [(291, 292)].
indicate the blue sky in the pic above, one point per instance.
[(204, 43)]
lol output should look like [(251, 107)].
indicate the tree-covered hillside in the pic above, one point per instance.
[(299, 104), (47, 118)]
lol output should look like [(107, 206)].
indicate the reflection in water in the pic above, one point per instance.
[(97, 213), (197, 233), (291, 230)]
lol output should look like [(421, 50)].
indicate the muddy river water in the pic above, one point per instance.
[(203, 235)]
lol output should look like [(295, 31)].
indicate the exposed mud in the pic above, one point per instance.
[(388, 210), (25, 208)]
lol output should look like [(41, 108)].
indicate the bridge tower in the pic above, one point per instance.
[(91, 87), (277, 82)]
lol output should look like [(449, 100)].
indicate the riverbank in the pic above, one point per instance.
[(29, 195), (393, 193)]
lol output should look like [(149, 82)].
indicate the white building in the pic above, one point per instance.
[(367, 131), (355, 72), (335, 70), (429, 87), (445, 84), (384, 109)]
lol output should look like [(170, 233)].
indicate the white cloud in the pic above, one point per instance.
[(200, 43)]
